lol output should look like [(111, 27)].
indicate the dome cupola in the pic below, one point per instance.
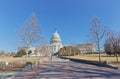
[(55, 38)]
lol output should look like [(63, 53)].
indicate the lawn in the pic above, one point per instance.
[(14, 59), (94, 57), (17, 62)]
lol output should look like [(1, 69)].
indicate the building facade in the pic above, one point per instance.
[(86, 47)]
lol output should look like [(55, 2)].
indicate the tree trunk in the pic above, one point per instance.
[(116, 56), (99, 52), (99, 56)]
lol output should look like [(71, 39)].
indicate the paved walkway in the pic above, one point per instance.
[(69, 70)]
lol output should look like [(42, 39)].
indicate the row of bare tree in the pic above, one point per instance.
[(102, 37), (30, 35), (112, 44), (3, 53)]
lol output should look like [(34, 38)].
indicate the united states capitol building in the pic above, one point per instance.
[(55, 45)]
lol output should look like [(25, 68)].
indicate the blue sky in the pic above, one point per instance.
[(72, 18)]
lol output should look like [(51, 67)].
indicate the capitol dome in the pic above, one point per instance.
[(55, 38)]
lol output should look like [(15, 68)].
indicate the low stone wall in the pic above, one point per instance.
[(102, 64)]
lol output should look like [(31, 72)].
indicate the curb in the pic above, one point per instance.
[(101, 64)]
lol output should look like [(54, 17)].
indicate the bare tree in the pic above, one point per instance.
[(29, 33), (108, 47), (97, 34), (2, 53), (114, 41), (73, 44), (45, 48)]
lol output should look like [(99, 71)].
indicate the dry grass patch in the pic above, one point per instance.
[(16, 63), (12, 59), (94, 57)]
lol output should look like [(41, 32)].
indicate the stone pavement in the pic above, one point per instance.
[(69, 70)]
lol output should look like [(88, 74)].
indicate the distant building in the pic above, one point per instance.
[(36, 51), (55, 45), (86, 47), (52, 48)]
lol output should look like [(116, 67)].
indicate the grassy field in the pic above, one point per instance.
[(94, 57), (17, 62), (11, 59)]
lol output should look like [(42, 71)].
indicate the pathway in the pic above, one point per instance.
[(69, 70)]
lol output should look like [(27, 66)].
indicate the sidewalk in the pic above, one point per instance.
[(68, 70)]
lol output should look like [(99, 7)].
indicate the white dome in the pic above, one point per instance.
[(55, 38)]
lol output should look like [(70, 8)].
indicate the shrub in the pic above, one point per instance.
[(68, 51), (29, 52), (21, 53)]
